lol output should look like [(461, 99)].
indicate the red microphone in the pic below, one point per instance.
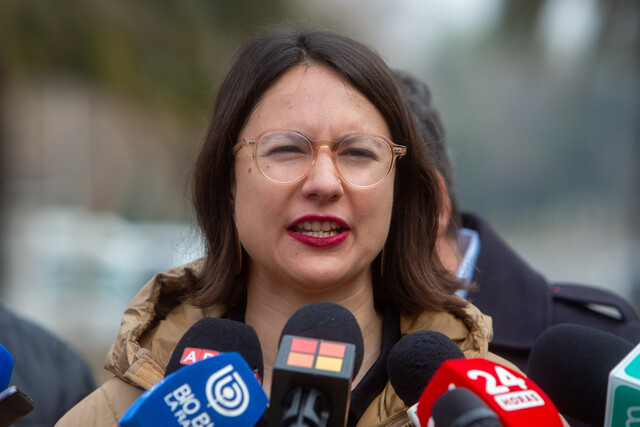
[(517, 400)]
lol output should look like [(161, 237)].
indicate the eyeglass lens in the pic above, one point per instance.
[(362, 160)]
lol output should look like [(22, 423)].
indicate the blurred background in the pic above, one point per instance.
[(103, 104)]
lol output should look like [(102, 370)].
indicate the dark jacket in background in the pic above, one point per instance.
[(523, 303), (45, 369)]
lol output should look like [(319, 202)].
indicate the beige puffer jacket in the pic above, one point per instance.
[(156, 319)]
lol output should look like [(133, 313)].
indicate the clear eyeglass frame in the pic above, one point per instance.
[(397, 151)]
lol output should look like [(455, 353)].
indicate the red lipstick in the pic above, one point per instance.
[(319, 231)]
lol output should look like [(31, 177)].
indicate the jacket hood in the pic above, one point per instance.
[(152, 325)]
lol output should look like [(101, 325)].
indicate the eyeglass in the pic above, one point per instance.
[(286, 156)]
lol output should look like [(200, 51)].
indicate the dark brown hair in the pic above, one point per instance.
[(427, 119), (413, 279)]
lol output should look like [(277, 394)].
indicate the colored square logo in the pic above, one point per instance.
[(332, 364), (304, 345), (316, 354), (300, 360), (332, 349)]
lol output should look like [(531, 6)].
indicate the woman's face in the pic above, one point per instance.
[(276, 221)]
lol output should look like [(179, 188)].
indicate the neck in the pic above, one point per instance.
[(269, 309)]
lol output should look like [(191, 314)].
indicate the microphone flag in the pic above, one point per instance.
[(623, 392), (324, 366), (516, 399)]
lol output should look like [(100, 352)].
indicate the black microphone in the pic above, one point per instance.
[(321, 350), (327, 321), (571, 363), (211, 336), (460, 407), (415, 359)]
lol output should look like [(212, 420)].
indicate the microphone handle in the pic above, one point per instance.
[(308, 407)]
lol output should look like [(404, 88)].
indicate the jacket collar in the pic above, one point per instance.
[(156, 319), (152, 325)]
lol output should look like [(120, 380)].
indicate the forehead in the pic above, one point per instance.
[(314, 100)]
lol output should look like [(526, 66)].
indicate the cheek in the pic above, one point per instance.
[(257, 204), (377, 207), (242, 182)]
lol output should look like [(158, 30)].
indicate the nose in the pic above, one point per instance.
[(323, 181)]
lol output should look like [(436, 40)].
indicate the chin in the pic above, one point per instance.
[(327, 280)]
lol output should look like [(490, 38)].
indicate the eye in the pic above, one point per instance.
[(283, 144), (357, 153), (362, 148), (285, 149)]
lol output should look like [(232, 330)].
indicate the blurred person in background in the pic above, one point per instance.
[(520, 300), (45, 368), (312, 185)]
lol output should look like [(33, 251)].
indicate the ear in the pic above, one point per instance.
[(445, 207)]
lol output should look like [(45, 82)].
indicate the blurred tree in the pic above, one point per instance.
[(519, 20), (156, 62), (161, 51), (573, 100)]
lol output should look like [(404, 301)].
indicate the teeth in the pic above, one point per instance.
[(319, 228)]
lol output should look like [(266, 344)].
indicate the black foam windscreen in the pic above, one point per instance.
[(415, 359), (571, 363), (460, 407), (221, 335), (327, 321)]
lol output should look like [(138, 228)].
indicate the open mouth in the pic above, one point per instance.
[(318, 228)]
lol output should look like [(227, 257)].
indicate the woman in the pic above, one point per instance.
[(312, 185)]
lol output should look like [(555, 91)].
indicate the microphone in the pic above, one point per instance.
[(517, 400), (6, 367), (211, 336), (203, 388), (623, 392), (572, 364), (321, 350), (432, 359), (14, 404), (459, 407), (414, 360)]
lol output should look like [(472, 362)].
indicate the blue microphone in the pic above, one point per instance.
[(217, 391), (6, 367), (14, 404)]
